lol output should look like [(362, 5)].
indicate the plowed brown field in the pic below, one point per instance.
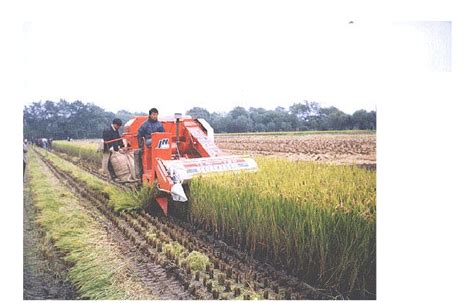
[(326, 148)]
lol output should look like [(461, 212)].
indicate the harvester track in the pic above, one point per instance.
[(232, 270), (163, 279)]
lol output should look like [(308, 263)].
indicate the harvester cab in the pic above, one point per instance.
[(185, 150)]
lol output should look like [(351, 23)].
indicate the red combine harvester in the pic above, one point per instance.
[(186, 149)]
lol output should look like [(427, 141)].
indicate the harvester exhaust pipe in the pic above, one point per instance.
[(177, 116)]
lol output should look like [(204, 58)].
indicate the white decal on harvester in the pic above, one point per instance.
[(188, 168)]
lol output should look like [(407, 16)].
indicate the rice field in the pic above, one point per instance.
[(88, 151), (317, 221)]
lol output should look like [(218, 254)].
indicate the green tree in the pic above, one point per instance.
[(199, 112), (240, 125), (364, 120), (238, 111), (62, 119)]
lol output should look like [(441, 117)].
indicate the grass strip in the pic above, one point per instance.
[(98, 271), (119, 200)]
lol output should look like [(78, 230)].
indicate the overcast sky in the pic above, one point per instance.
[(219, 55)]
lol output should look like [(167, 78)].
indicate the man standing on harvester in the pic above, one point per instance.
[(112, 142), (152, 125)]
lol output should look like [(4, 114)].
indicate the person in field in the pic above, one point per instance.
[(152, 125), (25, 150), (44, 143), (112, 142)]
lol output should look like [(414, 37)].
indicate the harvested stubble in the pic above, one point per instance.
[(317, 144), (97, 268), (316, 220)]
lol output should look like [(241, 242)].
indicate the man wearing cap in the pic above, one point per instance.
[(112, 142)]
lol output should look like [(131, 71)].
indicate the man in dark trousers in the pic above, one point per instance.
[(112, 142), (152, 125)]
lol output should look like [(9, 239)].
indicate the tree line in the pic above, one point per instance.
[(299, 117), (78, 120), (62, 120)]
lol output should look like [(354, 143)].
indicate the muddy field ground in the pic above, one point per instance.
[(359, 149)]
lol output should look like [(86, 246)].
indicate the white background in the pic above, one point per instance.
[(424, 131), (179, 54)]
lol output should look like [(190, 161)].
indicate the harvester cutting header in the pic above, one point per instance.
[(184, 150)]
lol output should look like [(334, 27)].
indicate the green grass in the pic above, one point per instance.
[(98, 271), (118, 199)]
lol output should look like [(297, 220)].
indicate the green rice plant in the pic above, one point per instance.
[(318, 221), (86, 151), (98, 269), (197, 260), (136, 198)]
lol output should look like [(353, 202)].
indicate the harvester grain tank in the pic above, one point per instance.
[(185, 150)]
